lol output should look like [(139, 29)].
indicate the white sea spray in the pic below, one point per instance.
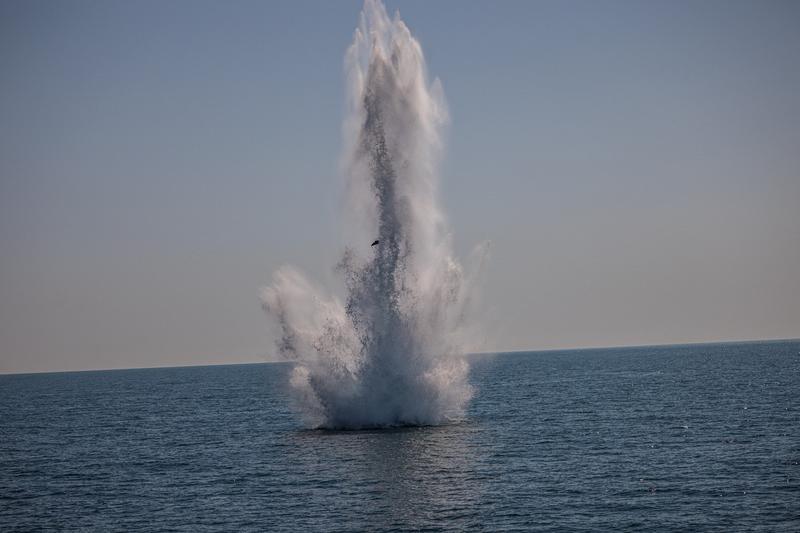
[(389, 353)]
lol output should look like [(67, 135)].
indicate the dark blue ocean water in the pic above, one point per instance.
[(676, 438)]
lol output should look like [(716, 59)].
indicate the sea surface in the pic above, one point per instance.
[(669, 438)]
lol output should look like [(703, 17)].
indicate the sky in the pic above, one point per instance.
[(635, 166)]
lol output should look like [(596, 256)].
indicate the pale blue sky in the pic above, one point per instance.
[(636, 166)]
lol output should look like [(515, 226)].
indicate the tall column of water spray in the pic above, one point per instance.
[(387, 354)]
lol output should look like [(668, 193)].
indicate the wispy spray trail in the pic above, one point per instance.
[(386, 355)]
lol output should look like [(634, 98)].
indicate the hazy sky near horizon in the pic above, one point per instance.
[(636, 166)]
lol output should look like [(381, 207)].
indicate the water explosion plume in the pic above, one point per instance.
[(387, 355)]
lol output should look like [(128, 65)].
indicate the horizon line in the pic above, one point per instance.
[(490, 352)]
